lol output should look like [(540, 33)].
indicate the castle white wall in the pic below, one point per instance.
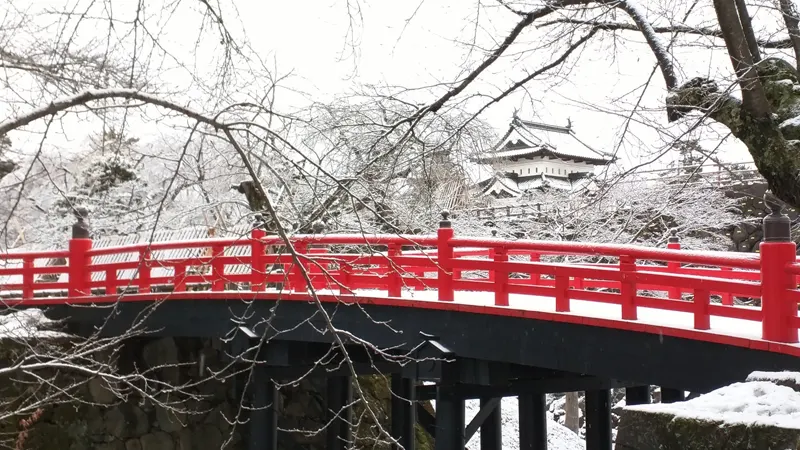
[(539, 165)]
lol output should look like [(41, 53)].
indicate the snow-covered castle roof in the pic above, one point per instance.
[(533, 155), (526, 139)]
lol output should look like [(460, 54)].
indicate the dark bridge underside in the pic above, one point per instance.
[(627, 356)]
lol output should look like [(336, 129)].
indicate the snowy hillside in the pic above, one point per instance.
[(558, 436)]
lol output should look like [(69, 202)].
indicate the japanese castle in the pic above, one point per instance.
[(534, 155)]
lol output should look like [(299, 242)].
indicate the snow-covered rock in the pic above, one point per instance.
[(788, 379), (754, 414)]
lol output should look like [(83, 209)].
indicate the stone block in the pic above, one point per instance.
[(169, 419), (100, 391), (158, 440), (788, 379), (742, 416)]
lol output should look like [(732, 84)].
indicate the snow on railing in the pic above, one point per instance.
[(346, 263)]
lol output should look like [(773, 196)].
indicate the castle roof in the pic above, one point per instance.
[(526, 139)]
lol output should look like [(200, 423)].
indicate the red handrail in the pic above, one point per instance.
[(451, 265)]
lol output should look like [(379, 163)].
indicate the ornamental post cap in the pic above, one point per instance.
[(445, 222), (777, 227), (80, 229), (673, 235)]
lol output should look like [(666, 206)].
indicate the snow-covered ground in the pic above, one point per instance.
[(25, 324), (559, 437)]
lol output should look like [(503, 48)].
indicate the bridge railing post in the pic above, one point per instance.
[(445, 259), (777, 252), (491, 274), (395, 287), (500, 277), (297, 281), (674, 243), (80, 244), (627, 292), (258, 265)]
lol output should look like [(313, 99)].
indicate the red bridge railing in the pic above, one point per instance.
[(668, 279)]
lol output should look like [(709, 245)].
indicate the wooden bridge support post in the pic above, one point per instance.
[(492, 428), (450, 420), (637, 395), (532, 422), (598, 420), (670, 395), (263, 427), (339, 396), (404, 411)]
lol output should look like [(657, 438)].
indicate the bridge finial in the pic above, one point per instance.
[(445, 222), (258, 221), (777, 227), (673, 236), (81, 229)]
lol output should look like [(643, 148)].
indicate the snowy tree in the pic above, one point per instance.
[(625, 211)]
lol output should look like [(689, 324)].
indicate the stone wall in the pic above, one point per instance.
[(760, 413), (202, 417), (746, 236), (97, 418)]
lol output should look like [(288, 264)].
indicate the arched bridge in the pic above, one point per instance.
[(505, 317)]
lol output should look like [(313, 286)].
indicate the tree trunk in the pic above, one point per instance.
[(572, 412)]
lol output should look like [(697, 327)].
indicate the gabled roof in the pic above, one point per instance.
[(501, 184), (498, 185), (526, 139)]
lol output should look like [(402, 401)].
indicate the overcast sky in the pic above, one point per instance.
[(416, 43)]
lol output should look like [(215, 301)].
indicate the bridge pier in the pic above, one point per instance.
[(263, 426), (404, 412), (532, 421), (450, 420), (598, 420), (492, 427), (637, 395), (340, 415), (671, 395)]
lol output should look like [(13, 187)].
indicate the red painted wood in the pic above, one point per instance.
[(445, 250), (448, 263), (500, 277), (776, 282)]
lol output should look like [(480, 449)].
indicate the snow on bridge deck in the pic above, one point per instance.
[(747, 329)]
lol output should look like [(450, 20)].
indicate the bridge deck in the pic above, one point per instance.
[(583, 309)]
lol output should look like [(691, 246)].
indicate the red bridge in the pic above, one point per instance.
[(587, 316)]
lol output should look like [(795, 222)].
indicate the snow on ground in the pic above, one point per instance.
[(750, 403), (26, 323), (559, 437)]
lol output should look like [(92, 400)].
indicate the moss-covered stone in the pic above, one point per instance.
[(377, 388), (647, 430), (753, 415)]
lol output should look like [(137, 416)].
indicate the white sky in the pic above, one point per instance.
[(413, 43)]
